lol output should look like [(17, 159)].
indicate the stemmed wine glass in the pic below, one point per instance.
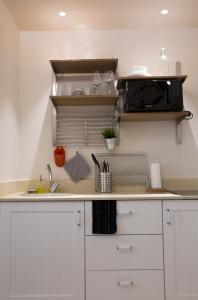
[(109, 80), (97, 80)]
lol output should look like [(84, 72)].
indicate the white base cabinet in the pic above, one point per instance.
[(181, 249), (42, 251)]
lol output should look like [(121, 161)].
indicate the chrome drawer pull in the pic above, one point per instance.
[(124, 247), (124, 283), (78, 218), (125, 212), (168, 216)]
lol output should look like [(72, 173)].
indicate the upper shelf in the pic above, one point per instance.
[(83, 100), (155, 116), (82, 66), (122, 80)]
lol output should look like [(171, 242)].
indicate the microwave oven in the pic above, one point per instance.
[(153, 95)]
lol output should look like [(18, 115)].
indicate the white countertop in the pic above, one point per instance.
[(20, 197)]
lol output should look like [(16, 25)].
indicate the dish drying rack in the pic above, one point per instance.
[(127, 169), (82, 125)]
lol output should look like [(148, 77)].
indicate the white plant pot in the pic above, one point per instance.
[(111, 143)]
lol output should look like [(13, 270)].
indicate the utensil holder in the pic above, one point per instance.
[(104, 182)]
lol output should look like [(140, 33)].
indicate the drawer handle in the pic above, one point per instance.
[(125, 283), (129, 212), (168, 216), (124, 247), (78, 218)]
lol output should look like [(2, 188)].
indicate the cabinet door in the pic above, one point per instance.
[(42, 251), (181, 249)]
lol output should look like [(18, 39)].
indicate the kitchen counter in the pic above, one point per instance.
[(20, 197)]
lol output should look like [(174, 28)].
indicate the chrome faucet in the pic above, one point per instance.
[(53, 185)]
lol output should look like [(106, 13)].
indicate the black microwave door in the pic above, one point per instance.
[(145, 95), (175, 95)]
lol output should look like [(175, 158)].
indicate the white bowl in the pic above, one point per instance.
[(139, 70)]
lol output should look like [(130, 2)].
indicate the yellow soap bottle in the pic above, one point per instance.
[(41, 188)]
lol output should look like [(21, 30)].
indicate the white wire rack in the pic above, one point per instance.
[(127, 168), (81, 125)]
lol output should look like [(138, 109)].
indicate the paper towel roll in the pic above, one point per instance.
[(156, 182)]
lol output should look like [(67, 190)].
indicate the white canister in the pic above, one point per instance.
[(156, 182)]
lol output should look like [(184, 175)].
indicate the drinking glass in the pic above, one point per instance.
[(94, 90), (109, 82), (97, 78), (96, 86), (61, 86), (79, 91)]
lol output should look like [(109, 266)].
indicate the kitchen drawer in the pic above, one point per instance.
[(133, 217), (125, 285), (124, 252)]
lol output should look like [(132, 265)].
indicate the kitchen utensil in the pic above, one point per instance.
[(105, 182), (104, 166), (95, 161), (107, 167)]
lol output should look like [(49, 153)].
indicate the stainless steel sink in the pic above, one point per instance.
[(44, 195)]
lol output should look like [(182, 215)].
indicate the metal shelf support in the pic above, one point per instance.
[(179, 132)]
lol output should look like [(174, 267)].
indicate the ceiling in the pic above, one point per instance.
[(102, 14)]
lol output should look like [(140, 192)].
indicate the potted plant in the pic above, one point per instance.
[(109, 135)]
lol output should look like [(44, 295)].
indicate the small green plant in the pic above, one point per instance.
[(109, 133)]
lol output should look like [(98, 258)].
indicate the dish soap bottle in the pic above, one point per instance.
[(40, 188), (163, 63)]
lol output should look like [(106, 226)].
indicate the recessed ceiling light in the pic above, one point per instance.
[(164, 12), (62, 13)]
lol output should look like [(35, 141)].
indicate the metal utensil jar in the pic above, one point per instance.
[(105, 182)]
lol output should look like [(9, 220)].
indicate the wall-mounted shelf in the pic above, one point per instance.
[(122, 80), (154, 116), (63, 104), (79, 120), (178, 117), (83, 100), (83, 66)]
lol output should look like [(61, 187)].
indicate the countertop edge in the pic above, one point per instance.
[(92, 197)]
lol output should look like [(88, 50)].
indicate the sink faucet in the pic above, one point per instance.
[(53, 185)]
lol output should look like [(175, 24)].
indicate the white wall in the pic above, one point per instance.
[(9, 96), (132, 48)]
